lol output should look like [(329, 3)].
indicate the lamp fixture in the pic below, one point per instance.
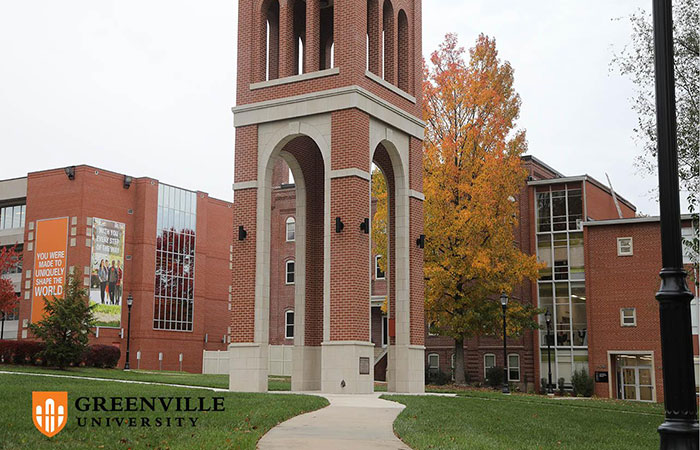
[(242, 233), (70, 172), (420, 242), (504, 300), (339, 225), (127, 181), (364, 225)]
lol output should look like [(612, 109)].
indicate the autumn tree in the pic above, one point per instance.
[(473, 177), (9, 258)]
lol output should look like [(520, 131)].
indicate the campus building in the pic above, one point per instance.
[(166, 247)]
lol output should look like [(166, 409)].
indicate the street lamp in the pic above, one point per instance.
[(129, 302), (548, 320), (504, 304), (680, 428)]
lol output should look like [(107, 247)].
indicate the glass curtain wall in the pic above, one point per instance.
[(561, 287), (175, 258)]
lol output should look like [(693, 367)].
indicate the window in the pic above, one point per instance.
[(624, 246), (385, 331), (378, 273), (289, 325), (432, 329), (694, 314), (175, 259), (628, 317), (690, 254), (289, 277), (489, 362), (433, 362), (514, 367), (12, 217), (289, 231)]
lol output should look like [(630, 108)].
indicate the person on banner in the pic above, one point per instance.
[(120, 274), (103, 276), (113, 275)]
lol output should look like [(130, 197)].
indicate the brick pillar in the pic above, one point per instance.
[(312, 44), (374, 30), (287, 44), (389, 44)]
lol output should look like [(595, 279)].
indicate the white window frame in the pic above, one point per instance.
[(287, 324), (488, 367), (509, 367), (437, 356), (620, 252), (622, 317), (377, 269), (290, 221), (287, 272)]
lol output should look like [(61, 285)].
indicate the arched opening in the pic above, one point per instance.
[(299, 32), (374, 32), (388, 44), (270, 39), (404, 58), (296, 267)]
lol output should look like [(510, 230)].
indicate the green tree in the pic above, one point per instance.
[(65, 328)]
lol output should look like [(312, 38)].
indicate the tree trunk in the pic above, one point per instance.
[(459, 362)]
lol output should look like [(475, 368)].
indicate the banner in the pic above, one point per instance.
[(49, 276), (107, 271)]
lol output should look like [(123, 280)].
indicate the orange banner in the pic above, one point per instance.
[(49, 263)]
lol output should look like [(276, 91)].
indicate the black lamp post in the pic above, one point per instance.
[(129, 302), (680, 429), (504, 304), (548, 320)]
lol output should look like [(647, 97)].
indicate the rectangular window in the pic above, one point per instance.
[(576, 271), (489, 363), (433, 361), (175, 259), (289, 277), (544, 215), (559, 210), (289, 325), (561, 256), (690, 253), (12, 217), (544, 255), (624, 246), (378, 272), (514, 367), (575, 209), (628, 317)]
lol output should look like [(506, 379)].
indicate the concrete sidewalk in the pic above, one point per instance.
[(350, 422)]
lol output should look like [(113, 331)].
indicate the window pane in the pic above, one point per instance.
[(559, 210), (576, 256), (575, 208), (578, 320), (489, 361), (544, 255), (561, 257), (543, 212)]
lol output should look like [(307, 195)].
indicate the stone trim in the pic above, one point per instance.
[(361, 343), (325, 102), (390, 86), (417, 195), (295, 78), (252, 184), (351, 172)]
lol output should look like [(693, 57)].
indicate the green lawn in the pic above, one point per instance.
[(246, 418), (489, 420)]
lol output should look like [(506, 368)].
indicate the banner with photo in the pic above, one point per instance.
[(107, 271)]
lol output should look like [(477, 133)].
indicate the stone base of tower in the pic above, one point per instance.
[(306, 368), (248, 367), (347, 367), (406, 369)]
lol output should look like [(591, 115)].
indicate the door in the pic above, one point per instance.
[(635, 378)]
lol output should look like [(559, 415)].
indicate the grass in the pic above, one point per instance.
[(489, 420), (245, 419)]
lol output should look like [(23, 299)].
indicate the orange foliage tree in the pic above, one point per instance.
[(473, 177)]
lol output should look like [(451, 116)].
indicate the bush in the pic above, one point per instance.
[(106, 356), (21, 352), (560, 384), (582, 383), (494, 377), (437, 377)]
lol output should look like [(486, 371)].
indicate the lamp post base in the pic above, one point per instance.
[(679, 435)]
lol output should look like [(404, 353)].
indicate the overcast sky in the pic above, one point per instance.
[(146, 87)]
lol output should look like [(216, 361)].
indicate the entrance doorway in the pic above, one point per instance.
[(635, 379)]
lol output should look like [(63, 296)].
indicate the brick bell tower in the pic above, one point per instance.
[(331, 87)]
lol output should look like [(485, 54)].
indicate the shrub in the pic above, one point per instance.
[(437, 377), (21, 352), (582, 383), (102, 356), (560, 384), (494, 376)]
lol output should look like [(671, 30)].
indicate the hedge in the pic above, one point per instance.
[(29, 352)]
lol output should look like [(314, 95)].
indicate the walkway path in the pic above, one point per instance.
[(351, 422)]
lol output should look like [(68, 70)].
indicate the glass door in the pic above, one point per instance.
[(635, 378)]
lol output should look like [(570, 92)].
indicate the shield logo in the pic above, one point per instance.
[(49, 411)]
